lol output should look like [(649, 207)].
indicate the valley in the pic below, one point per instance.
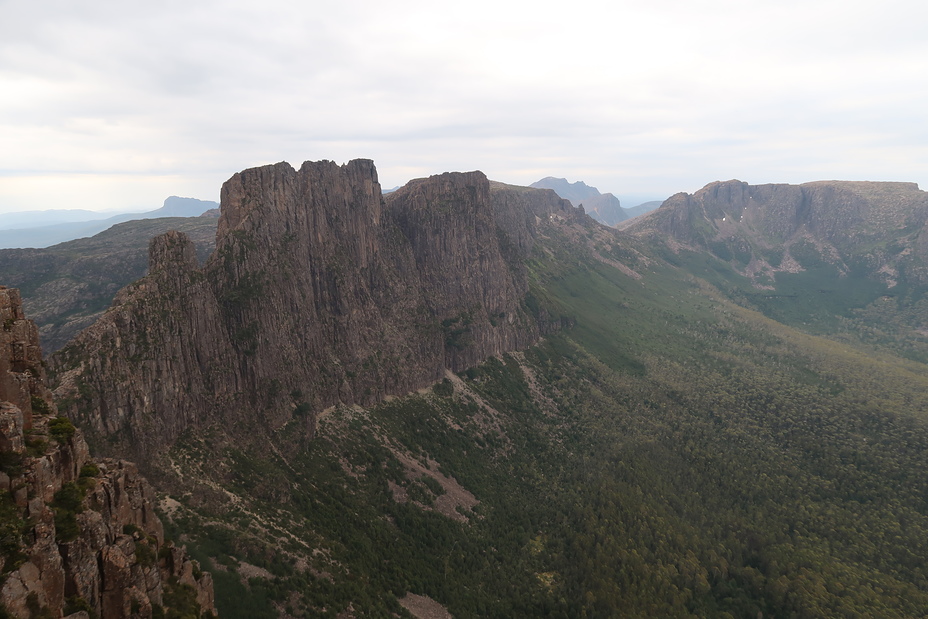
[(471, 393)]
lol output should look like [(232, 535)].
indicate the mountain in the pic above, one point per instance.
[(604, 208), (472, 398), (79, 535), (833, 222), (317, 286), (67, 287), (576, 192), (641, 209), (805, 254), (46, 235)]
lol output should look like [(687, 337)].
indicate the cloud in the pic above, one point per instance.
[(639, 97)]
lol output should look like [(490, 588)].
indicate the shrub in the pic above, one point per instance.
[(75, 604), (145, 554), (40, 406), (61, 429), (90, 470), (67, 504)]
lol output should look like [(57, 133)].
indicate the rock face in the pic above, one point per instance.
[(320, 291), (872, 226), (22, 373), (91, 538)]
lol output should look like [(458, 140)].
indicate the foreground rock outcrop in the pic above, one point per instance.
[(319, 292), (76, 534)]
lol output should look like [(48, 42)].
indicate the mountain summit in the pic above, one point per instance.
[(604, 208)]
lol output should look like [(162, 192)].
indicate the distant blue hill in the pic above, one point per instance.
[(13, 232)]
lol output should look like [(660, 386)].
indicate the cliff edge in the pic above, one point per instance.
[(319, 292)]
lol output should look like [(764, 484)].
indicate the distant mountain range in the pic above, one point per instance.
[(39, 229), (603, 207)]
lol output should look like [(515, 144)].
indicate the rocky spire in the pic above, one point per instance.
[(22, 372)]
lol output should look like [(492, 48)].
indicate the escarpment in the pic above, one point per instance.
[(319, 292), (876, 228), (78, 534)]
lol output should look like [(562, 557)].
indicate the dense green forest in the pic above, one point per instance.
[(675, 452)]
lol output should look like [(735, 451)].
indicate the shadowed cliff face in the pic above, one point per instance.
[(870, 226), (318, 292)]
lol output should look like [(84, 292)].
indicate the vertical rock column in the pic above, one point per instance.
[(22, 374)]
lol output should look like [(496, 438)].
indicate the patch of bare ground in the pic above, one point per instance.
[(616, 264), (294, 600), (456, 498), (487, 419), (397, 491), (424, 607), (539, 397), (759, 269), (169, 506), (247, 570), (789, 264)]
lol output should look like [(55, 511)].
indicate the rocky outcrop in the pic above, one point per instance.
[(78, 534), (873, 226), (67, 287), (319, 292), (22, 373)]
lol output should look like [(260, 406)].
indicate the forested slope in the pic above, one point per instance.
[(671, 454)]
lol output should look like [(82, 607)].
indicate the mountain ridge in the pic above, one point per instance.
[(80, 535), (876, 226), (43, 236)]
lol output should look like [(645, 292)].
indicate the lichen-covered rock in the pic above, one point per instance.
[(11, 428)]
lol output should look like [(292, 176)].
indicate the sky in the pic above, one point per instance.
[(118, 104)]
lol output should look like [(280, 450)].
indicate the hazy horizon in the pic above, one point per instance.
[(114, 107)]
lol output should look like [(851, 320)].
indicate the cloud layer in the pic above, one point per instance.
[(119, 104)]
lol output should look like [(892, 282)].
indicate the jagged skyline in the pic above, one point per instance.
[(116, 106)]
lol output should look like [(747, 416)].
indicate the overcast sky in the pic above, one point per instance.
[(118, 104)]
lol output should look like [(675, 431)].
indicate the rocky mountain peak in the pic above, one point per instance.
[(318, 287), (171, 250)]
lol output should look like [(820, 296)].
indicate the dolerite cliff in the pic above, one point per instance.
[(877, 228), (77, 535), (319, 292)]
